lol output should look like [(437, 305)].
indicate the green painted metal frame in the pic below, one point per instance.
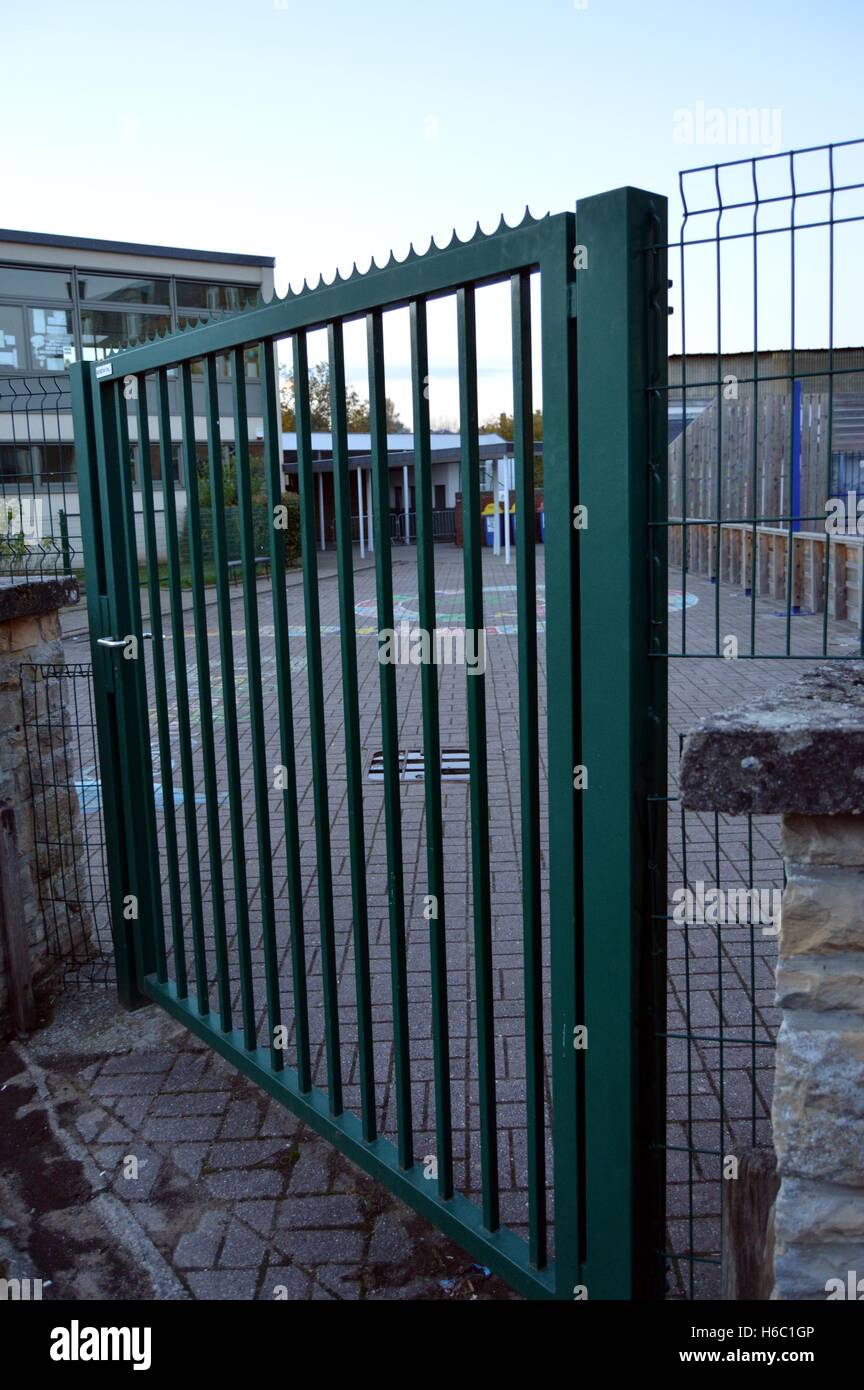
[(622, 464), (597, 673)]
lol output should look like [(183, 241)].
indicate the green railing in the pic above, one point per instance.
[(38, 502), (208, 964), (767, 377)]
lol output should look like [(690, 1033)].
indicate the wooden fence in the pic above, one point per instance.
[(750, 443), (810, 578)]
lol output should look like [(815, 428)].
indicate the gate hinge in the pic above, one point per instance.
[(571, 301)]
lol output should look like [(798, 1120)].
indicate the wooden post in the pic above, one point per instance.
[(16, 949), (747, 1268)]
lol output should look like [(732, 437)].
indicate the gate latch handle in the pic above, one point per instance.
[(114, 643)]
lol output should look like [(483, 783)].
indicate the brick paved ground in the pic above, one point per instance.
[(228, 1168), (232, 1198)]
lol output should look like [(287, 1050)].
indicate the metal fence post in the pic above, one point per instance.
[(98, 536), (564, 721), (621, 345)]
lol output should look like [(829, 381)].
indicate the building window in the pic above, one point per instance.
[(57, 463), (38, 465), (123, 289), (214, 299), (155, 463), (15, 463), (440, 496), (104, 329), (12, 350), (252, 356), (18, 283), (52, 341)]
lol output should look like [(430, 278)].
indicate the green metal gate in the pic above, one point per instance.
[(182, 929)]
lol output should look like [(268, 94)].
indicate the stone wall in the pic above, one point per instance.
[(819, 1086), (800, 753), (30, 632)]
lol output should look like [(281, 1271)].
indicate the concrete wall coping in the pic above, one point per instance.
[(799, 750), (32, 598)]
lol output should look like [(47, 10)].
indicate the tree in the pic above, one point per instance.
[(503, 426), (359, 419), (357, 409)]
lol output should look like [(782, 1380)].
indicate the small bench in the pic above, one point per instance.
[(235, 567)]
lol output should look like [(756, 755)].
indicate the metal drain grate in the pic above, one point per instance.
[(454, 765)]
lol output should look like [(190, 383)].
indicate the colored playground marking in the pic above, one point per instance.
[(499, 610), (676, 600)]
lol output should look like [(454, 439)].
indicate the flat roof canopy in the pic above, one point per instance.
[(445, 449), (134, 248)]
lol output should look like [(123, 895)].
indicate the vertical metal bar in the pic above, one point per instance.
[(529, 760), (205, 700), (790, 531), (718, 463), (431, 737), (754, 534), (229, 701), (721, 1051), (688, 1026), (754, 1016), (390, 738), (101, 538), (684, 498), (563, 700), (131, 681), (181, 687), (132, 687), (622, 342), (479, 787), (650, 1177), (163, 722), (260, 778), (354, 773), (360, 518), (796, 456), (274, 478), (826, 580), (64, 537), (317, 732)]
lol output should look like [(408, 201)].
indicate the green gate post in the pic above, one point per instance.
[(560, 495), (621, 354), (121, 716)]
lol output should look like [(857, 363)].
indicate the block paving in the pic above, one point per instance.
[(234, 1198)]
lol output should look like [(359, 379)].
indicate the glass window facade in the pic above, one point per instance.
[(13, 351), (37, 465), (119, 289), (213, 299), (104, 329), (49, 318), (18, 283), (52, 339)]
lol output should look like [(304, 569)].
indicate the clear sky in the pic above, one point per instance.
[(325, 133)]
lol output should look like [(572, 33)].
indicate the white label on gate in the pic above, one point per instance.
[(104, 369)]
